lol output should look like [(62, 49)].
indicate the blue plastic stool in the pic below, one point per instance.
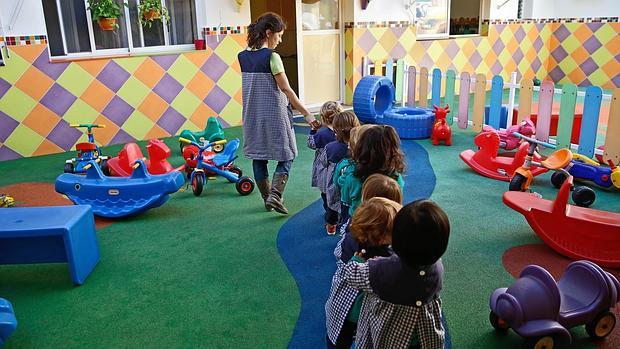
[(410, 123), (503, 116), (372, 97), (55, 234), (8, 322)]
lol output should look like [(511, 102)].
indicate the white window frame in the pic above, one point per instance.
[(423, 37), (125, 51)]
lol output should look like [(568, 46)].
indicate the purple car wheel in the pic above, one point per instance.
[(602, 326), (498, 324), (546, 342)]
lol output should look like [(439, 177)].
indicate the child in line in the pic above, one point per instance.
[(317, 140), (335, 151), (402, 304), (376, 151), (370, 233)]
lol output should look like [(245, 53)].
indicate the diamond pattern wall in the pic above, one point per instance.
[(581, 53), (137, 97)]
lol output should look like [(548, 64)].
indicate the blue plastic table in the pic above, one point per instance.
[(55, 234)]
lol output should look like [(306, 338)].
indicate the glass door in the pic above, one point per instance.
[(319, 48)]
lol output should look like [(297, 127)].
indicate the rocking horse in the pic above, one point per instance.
[(507, 139), (441, 129)]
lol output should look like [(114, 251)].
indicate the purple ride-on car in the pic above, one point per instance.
[(540, 310)]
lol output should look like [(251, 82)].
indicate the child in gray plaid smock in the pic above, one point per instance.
[(402, 306), (267, 115), (369, 234), (318, 140)]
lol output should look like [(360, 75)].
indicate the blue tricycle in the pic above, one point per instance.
[(87, 151), (218, 165)]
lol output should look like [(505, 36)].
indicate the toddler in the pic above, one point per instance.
[(402, 306), (317, 140), (370, 234)]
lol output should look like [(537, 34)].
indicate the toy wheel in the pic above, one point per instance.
[(105, 168), (583, 196), (218, 148), (245, 186), (236, 170), (69, 168), (517, 182), (602, 326), (198, 183), (498, 324), (558, 178), (545, 342)]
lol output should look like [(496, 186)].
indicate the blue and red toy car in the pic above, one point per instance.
[(87, 151)]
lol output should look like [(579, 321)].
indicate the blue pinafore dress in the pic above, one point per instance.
[(267, 116)]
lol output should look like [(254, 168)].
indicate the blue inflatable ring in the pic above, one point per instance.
[(410, 123), (372, 97)]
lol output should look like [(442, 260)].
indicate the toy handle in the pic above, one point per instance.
[(136, 163), (533, 140), (185, 140), (223, 141), (88, 125)]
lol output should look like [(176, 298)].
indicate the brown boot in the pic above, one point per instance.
[(274, 200), (265, 187)]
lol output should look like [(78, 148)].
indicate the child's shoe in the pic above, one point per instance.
[(331, 229)]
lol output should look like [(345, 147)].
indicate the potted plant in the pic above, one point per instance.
[(152, 10), (105, 12)]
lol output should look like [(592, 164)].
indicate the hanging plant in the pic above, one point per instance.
[(105, 12), (152, 10)]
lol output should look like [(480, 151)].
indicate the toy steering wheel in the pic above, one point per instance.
[(534, 140)]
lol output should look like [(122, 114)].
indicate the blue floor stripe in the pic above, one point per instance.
[(308, 251)]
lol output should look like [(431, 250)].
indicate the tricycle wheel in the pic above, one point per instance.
[(69, 168), (245, 185), (218, 148), (583, 196), (545, 342), (198, 183), (236, 170), (517, 182), (558, 178), (498, 324), (602, 326)]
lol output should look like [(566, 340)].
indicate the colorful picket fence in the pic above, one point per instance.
[(413, 85)]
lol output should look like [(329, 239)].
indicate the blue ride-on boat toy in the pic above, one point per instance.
[(115, 197), (8, 322), (199, 166), (542, 311), (87, 151)]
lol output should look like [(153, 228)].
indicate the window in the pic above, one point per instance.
[(443, 18), (72, 31), (319, 15)]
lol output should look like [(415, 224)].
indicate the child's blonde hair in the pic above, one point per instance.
[(343, 123), (378, 185), (328, 111), (373, 220)]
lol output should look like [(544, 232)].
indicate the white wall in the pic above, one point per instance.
[(25, 21), (570, 8), (380, 11), (211, 13), (507, 10)]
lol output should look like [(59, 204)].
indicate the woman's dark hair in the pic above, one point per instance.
[(378, 151), (420, 233), (257, 31)]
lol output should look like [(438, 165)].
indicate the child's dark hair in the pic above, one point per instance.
[(257, 31), (378, 151), (378, 185), (420, 233), (328, 111), (343, 123), (371, 224)]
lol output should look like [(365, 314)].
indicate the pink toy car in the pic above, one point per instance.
[(507, 140)]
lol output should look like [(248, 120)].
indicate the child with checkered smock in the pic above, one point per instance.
[(369, 234), (402, 305), (318, 140), (335, 152)]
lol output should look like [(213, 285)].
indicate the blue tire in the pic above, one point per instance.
[(410, 123), (372, 97)]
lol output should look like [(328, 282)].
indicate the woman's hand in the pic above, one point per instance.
[(314, 123)]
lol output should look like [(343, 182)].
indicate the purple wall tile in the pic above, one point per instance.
[(64, 136), (171, 121), (217, 99), (4, 87), (168, 88), (367, 41), (475, 59), (122, 137), (118, 110), (214, 67), (589, 66), (113, 76), (58, 99), (517, 56), (7, 153), (398, 51), (7, 125), (53, 70), (165, 61), (561, 33), (558, 74), (520, 34), (592, 44), (559, 54)]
